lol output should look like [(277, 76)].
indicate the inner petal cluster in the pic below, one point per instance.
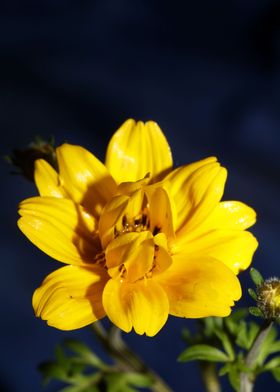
[(135, 245)]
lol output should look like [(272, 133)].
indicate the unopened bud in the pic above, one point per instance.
[(24, 159)]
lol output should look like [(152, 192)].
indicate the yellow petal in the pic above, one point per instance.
[(85, 178), (194, 191), (161, 219), (111, 219), (120, 215), (199, 287), (232, 215), (233, 247), (71, 297), (60, 228), (137, 149), (135, 251), (142, 305), (47, 180)]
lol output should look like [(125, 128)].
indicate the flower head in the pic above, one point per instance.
[(140, 240), (268, 298)]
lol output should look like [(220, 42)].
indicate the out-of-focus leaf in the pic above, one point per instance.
[(272, 364), (85, 353), (234, 378), (256, 277), (276, 374), (225, 342), (253, 294), (203, 352), (254, 311), (232, 322), (242, 337)]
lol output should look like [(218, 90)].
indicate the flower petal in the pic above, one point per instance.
[(161, 219), (60, 228), (84, 177), (71, 297), (233, 247), (229, 215), (120, 215), (142, 305), (137, 149), (199, 287), (194, 191), (47, 180), (135, 251)]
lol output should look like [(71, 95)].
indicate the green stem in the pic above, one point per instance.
[(126, 359), (247, 379), (209, 376)]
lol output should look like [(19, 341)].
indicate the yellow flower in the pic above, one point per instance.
[(141, 240)]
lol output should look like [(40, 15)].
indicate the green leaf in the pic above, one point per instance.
[(52, 371), (256, 277), (254, 311), (226, 343), (253, 330), (276, 374), (272, 364), (253, 294), (242, 337), (232, 321), (88, 356), (234, 378), (224, 370), (126, 381), (203, 352)]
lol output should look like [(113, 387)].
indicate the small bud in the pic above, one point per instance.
[(268, 298), (24, 159)]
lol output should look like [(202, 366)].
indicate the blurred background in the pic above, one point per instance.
[(207, 72)]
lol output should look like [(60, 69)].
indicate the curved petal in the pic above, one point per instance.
[(84, 177), (137, 149), (229, 215), (60, 228), (121, 215), (161, 219), (71, 297), (47, 180), (133, 251), (194, 191), (199, 287), (143, 305), (233, 247)]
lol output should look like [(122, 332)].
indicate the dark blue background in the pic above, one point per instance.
[(206, 71)]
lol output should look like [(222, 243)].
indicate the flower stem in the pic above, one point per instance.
[(247, 379), (126, 359), (209, 376)]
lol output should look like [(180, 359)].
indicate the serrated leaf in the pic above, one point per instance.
[(203, 352), (253, 294), (254, 311), (256, 277)]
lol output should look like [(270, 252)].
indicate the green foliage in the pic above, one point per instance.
[(78, 366), (256, 277), (227, 341), (203, 352)]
